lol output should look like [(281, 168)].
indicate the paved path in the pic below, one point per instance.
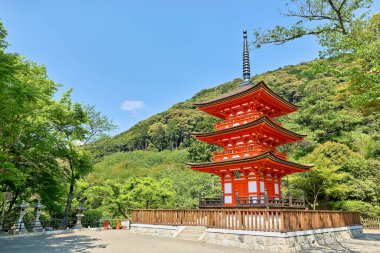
[(366, 243), (126, 241), (114, 241)]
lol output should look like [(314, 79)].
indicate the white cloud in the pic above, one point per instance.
[(132, 105)]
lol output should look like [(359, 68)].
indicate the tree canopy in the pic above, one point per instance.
[(347, 31), (41, 155)]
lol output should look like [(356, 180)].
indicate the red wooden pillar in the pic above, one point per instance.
[(258, 185)]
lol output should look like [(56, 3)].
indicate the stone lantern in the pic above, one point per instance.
[(19, 227), (79, 215), (36, 225)]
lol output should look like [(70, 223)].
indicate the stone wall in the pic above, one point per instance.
[(259, 241), (156, 230), (279, 242)]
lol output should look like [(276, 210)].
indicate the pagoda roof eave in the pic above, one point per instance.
[(242, 91), (263, 119), (268, 155)]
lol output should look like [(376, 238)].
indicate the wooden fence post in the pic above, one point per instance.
[(266, 198)]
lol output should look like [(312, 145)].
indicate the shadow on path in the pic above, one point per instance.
[(45, 244), (368, 237), (332, 248), (362, 243)]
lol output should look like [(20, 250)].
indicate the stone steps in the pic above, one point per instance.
[(191, 233)]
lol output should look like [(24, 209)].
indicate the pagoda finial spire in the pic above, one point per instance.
[(246, 66)]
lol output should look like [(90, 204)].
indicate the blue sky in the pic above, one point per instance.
[(132, 59)]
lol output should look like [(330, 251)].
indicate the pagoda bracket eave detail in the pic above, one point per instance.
[(243, 91), (265, 157), (260, 122)]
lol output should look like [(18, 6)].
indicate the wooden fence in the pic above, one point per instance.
[(370, 223), (246, 219)]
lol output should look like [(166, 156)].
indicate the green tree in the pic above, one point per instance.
[(346, 32), (359, 51), (119, 199), (157, 135), (339, 175), (147, 193), (322, 182), (178, 130), (26, 142), (75, 126), (326, 20), (201, 151)]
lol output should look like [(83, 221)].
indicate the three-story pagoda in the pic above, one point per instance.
[(250, 167)]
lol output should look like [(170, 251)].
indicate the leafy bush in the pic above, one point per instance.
[(365, 209)]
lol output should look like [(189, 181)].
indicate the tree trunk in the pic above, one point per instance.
[(13, 201), (65, 219), (315, 200), (121, 211), (70, 196)]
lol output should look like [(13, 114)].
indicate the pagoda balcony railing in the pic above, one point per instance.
[(244, 152), (257, 200), (270, 201), (238, 120), (210, 202)]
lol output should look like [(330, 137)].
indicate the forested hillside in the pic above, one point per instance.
[(342, 141)]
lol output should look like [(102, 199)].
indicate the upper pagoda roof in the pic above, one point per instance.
[(243, 90), (241, 161), (262, 120)]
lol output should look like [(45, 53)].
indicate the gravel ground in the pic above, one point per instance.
[(116, 241)]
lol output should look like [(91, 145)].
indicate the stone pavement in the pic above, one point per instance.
[(367, 242), (116, 241)]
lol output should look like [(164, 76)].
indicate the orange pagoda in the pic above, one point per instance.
[(250, 168)]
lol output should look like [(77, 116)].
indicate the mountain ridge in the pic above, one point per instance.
[(126, 140)]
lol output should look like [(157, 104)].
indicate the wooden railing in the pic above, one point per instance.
[(241, 152), (303, 220), (271, 201), (370, 223), (210, 202), (255, 201), (239, 120), (246, 219)]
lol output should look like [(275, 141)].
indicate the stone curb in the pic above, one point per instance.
[(155, 226), (54, 232)]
